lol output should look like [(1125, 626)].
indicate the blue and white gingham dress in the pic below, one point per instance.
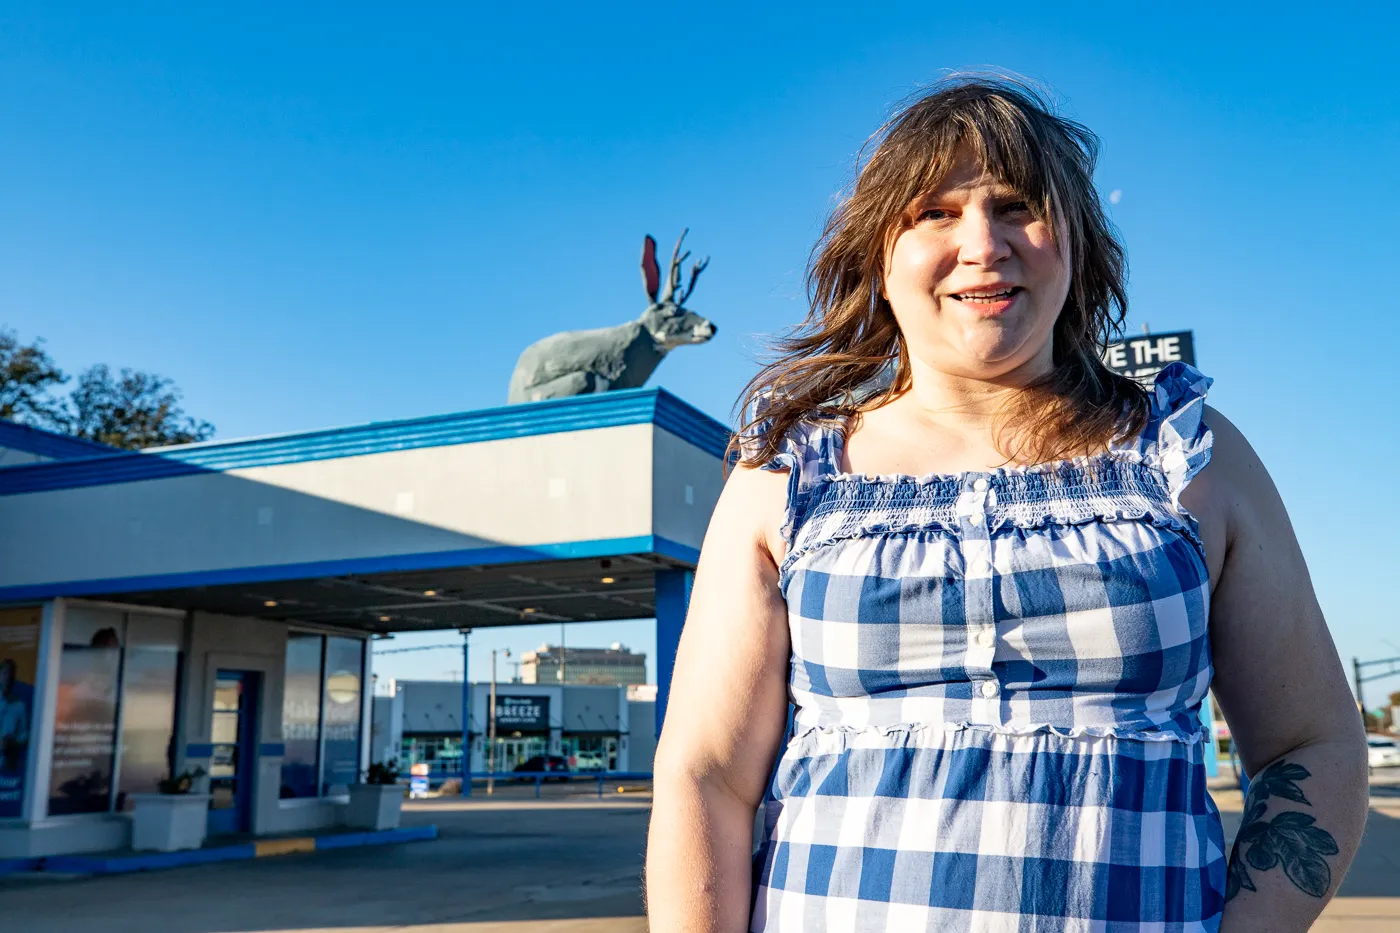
[(997, 679)]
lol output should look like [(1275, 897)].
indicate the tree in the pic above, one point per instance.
[(130, 411), (27, 374)]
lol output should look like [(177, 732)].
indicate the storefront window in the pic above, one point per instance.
[(444, 753), (150, 683), (591, 752), (301, 715), (345, 664), (322, 714), (85, 728), (19, 661)]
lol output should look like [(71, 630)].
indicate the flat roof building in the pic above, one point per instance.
[(552, 664), (596, 728), (209, 608)]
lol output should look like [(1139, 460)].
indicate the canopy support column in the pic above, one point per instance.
[(672, 601)]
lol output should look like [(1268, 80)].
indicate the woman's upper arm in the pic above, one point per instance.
[(1277, 674), (728, 702)]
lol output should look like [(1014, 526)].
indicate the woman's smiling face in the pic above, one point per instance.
[(975, 279)]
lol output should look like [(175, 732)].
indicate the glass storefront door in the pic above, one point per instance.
[(233, 760), (514, 751)]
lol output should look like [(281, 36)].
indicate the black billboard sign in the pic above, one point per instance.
[(522, 713), (1144, 356)]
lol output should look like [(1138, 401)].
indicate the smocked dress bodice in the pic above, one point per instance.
[(997, 679)]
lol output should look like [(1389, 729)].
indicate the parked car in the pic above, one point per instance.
[(545, 763), (1382, 751), (590, 761)]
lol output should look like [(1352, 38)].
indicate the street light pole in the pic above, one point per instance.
[(466, 715), (491, 734), (562, 652), (1358, 667)]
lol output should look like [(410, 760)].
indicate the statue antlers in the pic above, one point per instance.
[(651, 274)]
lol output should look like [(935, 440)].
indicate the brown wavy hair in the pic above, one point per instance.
[(849, 342)]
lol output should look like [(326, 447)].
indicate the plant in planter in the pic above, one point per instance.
[(181, 783), (176, 818), (375, 803)]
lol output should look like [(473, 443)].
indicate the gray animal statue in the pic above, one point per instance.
[(579, 362)]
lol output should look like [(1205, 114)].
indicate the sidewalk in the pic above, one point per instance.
[(1369, 899), (565, 865)]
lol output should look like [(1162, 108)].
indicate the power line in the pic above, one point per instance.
[(456, 647)]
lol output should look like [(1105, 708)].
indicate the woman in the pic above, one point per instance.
[(980, 566)]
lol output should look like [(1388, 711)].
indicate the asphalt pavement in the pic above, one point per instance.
[(564, 864)]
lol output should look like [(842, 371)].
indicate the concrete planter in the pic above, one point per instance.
[(169, 822), (374, 806)]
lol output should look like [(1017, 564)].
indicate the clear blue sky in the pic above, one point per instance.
[(325, 217)]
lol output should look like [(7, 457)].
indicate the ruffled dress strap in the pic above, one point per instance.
[(810, 450), (1177, 439)]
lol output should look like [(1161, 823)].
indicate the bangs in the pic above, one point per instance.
[(916, 151)]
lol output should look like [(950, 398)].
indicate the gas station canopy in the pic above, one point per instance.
[(553, 511)]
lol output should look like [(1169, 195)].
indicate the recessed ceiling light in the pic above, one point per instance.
[(430, 592), (609, 580), (528, 609), (385, 618), (269, 603)]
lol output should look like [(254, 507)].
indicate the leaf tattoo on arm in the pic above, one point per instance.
[(1289, 839)]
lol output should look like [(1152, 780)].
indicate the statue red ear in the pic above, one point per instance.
[(651, 273)]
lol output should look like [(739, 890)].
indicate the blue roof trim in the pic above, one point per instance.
[(585, 412), (429, 560), (48, 443), (691, 424)]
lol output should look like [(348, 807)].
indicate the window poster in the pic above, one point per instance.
[(19, 659), (345, 662), (85, 733)]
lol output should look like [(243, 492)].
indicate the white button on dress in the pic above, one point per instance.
[(980, 485), (989, 689), (986, 638)]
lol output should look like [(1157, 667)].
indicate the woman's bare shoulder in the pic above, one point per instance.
[(753, 506), (1235, 467), (1234, 495)]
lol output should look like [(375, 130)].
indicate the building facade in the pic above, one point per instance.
[(208, 608), (118, 697), (617, 666), (591, 726)]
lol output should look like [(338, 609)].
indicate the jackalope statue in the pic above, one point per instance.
[(578, 362)]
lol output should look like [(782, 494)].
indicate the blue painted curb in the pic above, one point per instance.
[(382, 838), (155, 861), (121, 864), (11, 866)]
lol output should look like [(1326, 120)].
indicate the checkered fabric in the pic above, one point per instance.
[(997, 679)]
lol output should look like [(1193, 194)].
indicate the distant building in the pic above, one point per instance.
[(597, 728), (617, 666)]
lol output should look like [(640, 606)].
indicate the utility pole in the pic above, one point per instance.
[(1392, 667), (562, 652), (491, 756), (1360, 697)]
